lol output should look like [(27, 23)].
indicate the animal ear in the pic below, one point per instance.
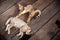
[(21, 8)]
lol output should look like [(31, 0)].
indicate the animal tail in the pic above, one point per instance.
[(37, 13)]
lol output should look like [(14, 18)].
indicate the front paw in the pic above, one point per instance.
[(5, 29), (9, 32), (19, 35)]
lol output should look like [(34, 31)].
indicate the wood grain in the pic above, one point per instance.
[(2, 1), (47, 31), (7, 4), (57, 37)]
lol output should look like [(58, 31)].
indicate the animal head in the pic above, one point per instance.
[(28, 31)]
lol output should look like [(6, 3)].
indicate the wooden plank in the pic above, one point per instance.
[(47, 31), (7, 4), (26, 2), (57, 37), (41, 4), (3, 17), (2, 1)]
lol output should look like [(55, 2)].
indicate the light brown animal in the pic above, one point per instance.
[(29, 10)]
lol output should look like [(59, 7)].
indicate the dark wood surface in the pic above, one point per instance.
[(48, 30), (44, 27), (2, 1), (57, 36), (7, 4)]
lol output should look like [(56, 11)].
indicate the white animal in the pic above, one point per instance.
[(18, 23)]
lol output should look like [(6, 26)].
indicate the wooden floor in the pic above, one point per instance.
[(46, 27)]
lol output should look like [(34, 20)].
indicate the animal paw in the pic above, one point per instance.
[(20, 36), (8, 32)]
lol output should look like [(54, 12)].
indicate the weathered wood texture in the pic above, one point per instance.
[(47, 31), (57, 37), (42, 4), (2, 1), (7, 4)]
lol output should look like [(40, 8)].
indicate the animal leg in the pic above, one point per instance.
[(8, 21), (28, 20), (30, 17), (33, 13), (19, 15), (20, 34), (8, 28)]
